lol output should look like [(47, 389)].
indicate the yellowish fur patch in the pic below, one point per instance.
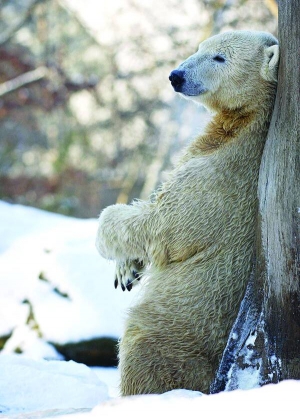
[(224, 127)]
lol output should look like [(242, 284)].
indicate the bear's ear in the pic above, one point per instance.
[(270, 64)]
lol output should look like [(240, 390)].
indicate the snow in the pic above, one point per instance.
[(263, 402), (248, 377), (32, 346), (35, 389), (29, 385), (41, 253), (109, 376), (269, 401), (51, 261)]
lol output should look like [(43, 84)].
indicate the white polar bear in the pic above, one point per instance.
[(195, 236)]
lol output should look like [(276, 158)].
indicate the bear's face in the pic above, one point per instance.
[(228, 69)]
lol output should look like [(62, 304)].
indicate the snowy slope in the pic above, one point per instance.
[(50, 261)]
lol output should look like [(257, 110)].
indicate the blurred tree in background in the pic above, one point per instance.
[(87, 115)]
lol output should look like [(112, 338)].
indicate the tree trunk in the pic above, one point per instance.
[(279, 199), (264, 345)]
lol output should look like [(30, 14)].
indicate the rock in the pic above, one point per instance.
[(101, 352), (3, 340)]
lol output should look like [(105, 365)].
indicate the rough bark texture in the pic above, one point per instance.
[(279, 195), (270, 312)]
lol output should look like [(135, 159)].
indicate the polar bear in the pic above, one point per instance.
[(195, 235)]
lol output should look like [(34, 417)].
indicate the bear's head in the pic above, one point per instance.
[(230, 70)]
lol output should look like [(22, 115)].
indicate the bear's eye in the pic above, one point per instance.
[(219, 58)]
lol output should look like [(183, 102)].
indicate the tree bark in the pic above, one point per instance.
[(279, 199), (264, 345)]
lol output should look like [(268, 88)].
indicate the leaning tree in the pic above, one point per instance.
[(264, 345)]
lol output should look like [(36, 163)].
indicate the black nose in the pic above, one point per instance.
[(177, 79)]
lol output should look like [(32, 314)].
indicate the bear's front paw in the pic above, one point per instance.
[(128, 272)]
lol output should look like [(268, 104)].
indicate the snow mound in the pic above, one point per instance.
[(27, 385)]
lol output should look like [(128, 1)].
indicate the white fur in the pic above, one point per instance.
[(197, 232)]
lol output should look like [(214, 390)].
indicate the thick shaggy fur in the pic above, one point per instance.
[(197, 231)]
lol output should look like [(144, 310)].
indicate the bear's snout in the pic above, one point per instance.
[(177, 79)]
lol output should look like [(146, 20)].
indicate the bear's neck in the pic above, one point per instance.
[(228, 125), (222, 129)]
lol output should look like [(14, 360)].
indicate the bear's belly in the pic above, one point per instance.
[(196, 300)]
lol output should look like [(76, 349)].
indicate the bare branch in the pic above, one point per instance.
[(23, 80)]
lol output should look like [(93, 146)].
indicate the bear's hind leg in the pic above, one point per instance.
[(151, 365), (139, 367)]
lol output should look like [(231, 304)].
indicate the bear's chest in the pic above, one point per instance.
[(205, 204)]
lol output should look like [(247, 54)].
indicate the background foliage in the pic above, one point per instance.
[(87, 115)]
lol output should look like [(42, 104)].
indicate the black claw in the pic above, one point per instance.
[(116, 283), (123, 286), (136, 275), (129, 286)]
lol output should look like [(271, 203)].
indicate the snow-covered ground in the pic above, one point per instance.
[(29, 385), (51, 262), (39, 389), (51, 274)]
